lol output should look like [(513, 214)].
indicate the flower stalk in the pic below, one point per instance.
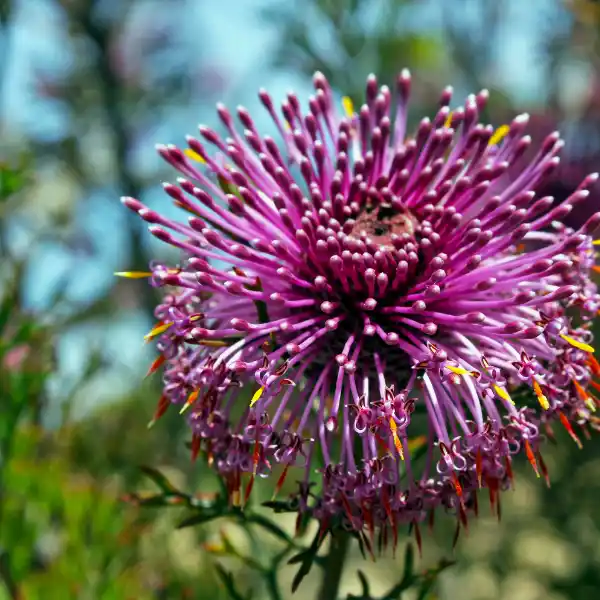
[(334, 566)]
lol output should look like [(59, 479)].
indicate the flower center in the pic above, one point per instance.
[(382, 222)]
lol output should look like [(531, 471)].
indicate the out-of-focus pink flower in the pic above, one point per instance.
[(13, 360)]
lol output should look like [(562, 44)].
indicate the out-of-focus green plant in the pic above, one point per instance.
[(63, 532), (64, 535), (264, 559)]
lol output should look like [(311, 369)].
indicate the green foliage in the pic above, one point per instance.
[(207, 508), (65, 535), (14, 176)]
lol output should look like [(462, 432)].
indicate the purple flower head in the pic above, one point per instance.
[(353, 297)]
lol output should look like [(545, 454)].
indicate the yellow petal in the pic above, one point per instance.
[(133, 274), (499, 135), (257, 394), (193, 155), (348, 106), (503, 394), (576, 343)]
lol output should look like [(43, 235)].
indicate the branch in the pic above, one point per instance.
[(112, 102)]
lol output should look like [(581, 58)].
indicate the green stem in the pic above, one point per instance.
[(272, 585), (334, 566)]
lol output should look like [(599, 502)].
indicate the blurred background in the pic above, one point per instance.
[(87, 88)]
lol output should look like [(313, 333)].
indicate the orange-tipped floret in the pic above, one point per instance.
[(593, 364), (531, 458), (567, 425), (161, 409), (543, 468), (191, 399), (156, 364), (537, 388), (397, 442), (196, 441), (587, 399), (280, 482)]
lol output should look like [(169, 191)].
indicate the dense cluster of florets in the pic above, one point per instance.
[(352, 287)]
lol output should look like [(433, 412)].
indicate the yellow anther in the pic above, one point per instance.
[(503, 394), (596, 243), (499, 135), (348, 106), (157, 330), (193, 155), (540, 395), (458, 370), (448, 120), (576, 343), (257, 394), (133, 274)]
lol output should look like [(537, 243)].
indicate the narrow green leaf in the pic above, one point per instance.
[(364, 582), (198, 519), (160, 480), (306, 558), (278, 506), (227, 579), (409, 562), (271, 527)]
